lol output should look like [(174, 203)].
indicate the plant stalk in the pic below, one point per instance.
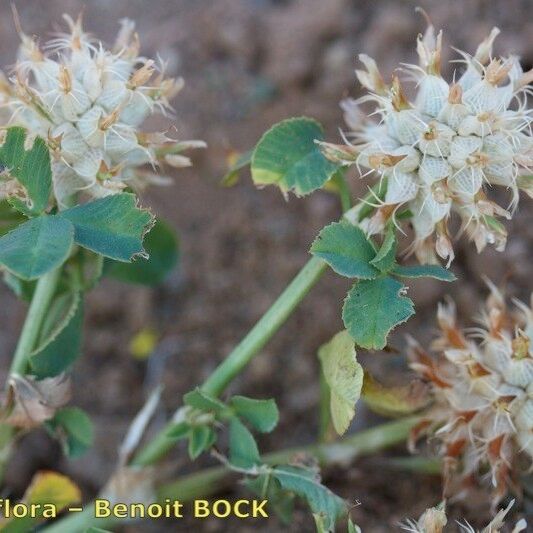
[(212, 480), (39, 306), (244, 352), (256, 339), (343, 190), (344, 451)]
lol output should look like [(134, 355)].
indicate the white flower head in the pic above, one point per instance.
[(89, 103), (483, 388), (441, 152)]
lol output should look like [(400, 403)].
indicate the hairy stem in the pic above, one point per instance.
[(212, 480)]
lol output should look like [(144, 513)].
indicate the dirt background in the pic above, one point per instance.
[(248, 64)]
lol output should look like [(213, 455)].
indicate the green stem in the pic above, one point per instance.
[(39, 306), (372, 440), (253, 342), (263, 331), (244, 352), (343, 190), (212, 480), (40, 302)]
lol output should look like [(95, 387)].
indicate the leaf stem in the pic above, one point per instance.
[(212, 480), (245, 351), (40, 302)]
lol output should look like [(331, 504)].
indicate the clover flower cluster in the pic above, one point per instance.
[(440, 152), (89, 103), (483, 389), (434, 520)]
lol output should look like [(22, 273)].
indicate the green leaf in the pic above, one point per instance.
[(203, 402), (30, 167), (201, 438), (179, 431), (373, 308), (344, 377), (37, 246), (9, 217), (288, 156), (386, 256), (423, 271), (243, 451), (306, 484), (60, 313), (279, 500), (75, 430), (22, 288), (346, 249), (112, 226), (319, 523), (232, 175), (60, 337), (161, 244), (262, 415), (90, 267)]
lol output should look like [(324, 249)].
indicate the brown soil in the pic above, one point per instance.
[(248, 64)]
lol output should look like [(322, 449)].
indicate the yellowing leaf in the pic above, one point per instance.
[(54, 488), (395, 401), (344, 377), (235, 162), (48, 494), (143, 343)]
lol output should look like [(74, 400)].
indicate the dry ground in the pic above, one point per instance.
[(247, 64)]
